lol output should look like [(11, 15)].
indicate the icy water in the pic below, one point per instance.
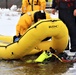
[(20, 67)]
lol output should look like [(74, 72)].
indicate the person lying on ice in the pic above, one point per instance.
[(27, 20)]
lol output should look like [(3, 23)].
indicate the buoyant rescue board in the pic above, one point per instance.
[(32, 41)]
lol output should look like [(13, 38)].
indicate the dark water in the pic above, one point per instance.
[(20, 67)]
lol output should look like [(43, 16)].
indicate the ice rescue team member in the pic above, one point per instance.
[(31, 5), (28, 19)]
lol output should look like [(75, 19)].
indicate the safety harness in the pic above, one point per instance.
[(32, 2)]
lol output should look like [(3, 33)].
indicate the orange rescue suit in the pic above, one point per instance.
[(31, 5)]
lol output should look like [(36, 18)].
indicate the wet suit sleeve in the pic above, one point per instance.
[(23, 24)]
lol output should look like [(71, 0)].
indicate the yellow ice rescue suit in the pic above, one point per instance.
[(31, 5)]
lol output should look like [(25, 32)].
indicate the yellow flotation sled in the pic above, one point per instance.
[(31, 42)]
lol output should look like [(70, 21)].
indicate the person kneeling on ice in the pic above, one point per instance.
[(27, 20)]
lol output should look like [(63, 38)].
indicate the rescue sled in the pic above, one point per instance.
[(32, 41)]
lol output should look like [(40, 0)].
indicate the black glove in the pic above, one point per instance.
[(16, 38)]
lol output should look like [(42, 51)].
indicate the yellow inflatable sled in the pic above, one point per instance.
[(31, 42)]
